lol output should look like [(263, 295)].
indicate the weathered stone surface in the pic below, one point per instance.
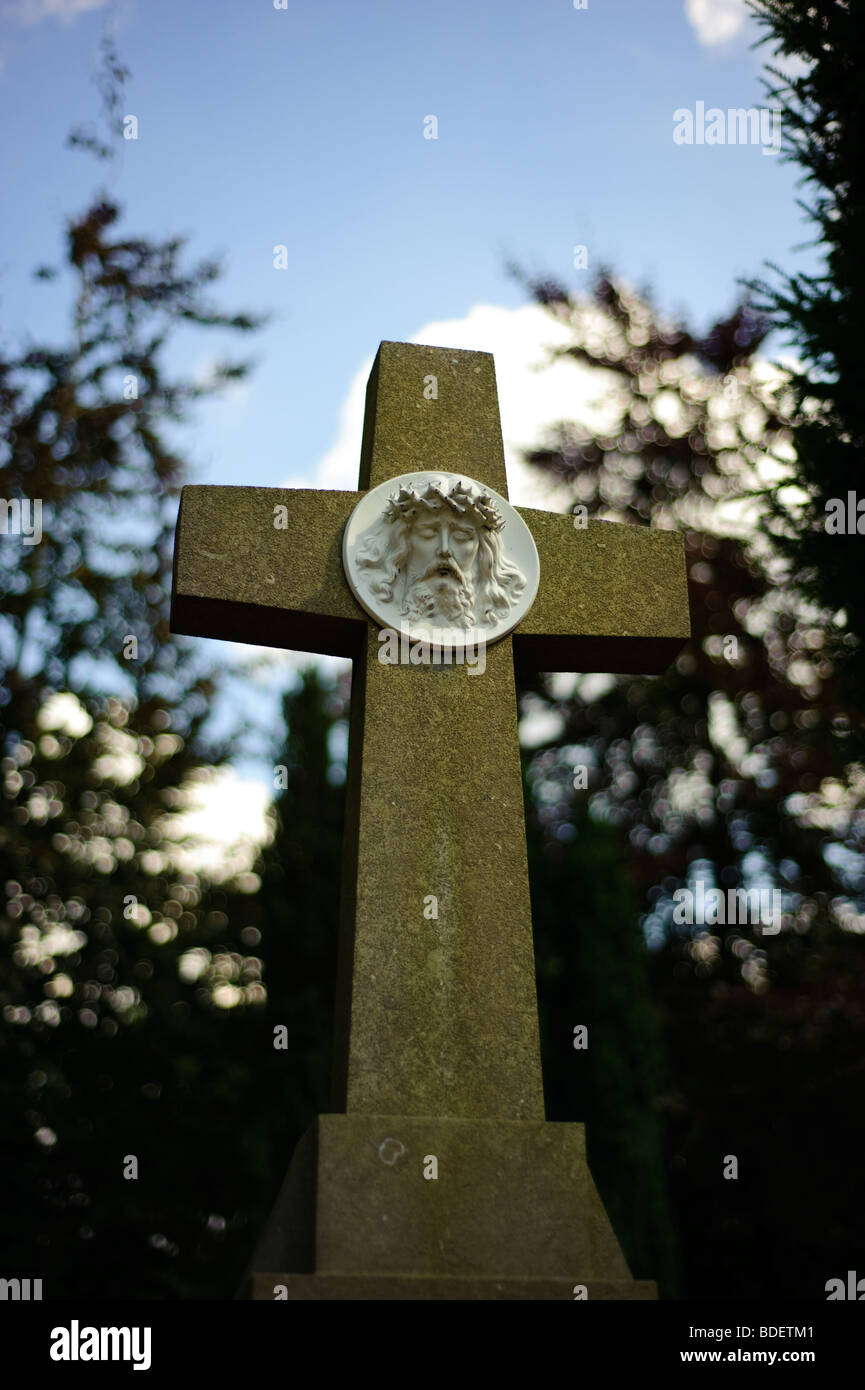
[(611, 597), (436, 1021), (512, 1200), (436, 1017), (239, 578), (458, 432)]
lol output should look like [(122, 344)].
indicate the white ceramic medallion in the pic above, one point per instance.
[(440, 558)]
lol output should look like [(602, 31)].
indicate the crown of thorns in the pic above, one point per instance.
[(409, 504)]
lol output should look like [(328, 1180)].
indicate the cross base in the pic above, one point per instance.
[(372, 1287), (391, 1206)]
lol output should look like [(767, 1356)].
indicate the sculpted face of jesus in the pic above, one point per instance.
[(440, 565), (436, 556)]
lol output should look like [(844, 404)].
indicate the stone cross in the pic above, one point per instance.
[(436, 1037)]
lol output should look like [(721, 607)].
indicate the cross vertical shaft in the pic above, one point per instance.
[(439, 1016), (436, 1013)]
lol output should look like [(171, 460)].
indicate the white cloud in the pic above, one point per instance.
[(790, 66), (532, 395), (30, 12), (715, 21), (223, 823)]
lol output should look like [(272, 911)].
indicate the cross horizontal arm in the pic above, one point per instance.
[(611, 597), (240, 577)]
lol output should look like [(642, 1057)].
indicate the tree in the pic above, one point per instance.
[(731, 769), (297, 911), (119, 964), (601, 1049), (821, 315)]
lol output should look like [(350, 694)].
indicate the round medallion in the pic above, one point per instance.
[(440, 558)]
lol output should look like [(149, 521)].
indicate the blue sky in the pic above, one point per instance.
[(304, 127)]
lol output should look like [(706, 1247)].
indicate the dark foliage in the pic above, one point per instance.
[(731, 769), (114, 956), (821, 315)]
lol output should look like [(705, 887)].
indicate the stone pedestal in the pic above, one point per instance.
[(512, 1214)]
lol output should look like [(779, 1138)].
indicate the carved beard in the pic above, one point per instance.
[(441, 597)]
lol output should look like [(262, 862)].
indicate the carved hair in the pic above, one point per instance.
[(462, 501)]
